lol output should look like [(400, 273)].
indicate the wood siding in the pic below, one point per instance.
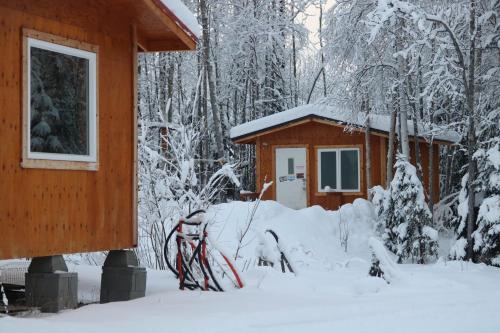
[(43, 211), (313, 135)]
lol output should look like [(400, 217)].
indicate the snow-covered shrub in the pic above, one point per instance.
[(457, 250), (382, 264), (379, 201), (408, 232), (170, 184), (345, 212)]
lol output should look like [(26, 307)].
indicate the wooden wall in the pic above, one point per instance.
[(312, 134), (44, 212)]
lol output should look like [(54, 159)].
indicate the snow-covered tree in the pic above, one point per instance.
[(487, 235), (408, 231)]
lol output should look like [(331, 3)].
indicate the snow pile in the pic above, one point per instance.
[(311, 237)]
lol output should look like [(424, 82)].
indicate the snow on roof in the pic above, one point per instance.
[(186, 19), (379, 123)]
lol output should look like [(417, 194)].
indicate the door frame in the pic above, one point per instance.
[(308, 168)]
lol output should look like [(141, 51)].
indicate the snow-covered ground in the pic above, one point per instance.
[(330, 293)]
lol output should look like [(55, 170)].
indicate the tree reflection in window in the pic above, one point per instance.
[(59, 103)]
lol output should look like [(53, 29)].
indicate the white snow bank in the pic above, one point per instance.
[(310, 236), (338, 301), (377, 122)]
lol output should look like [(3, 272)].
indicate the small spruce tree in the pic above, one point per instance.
[(408, 232)]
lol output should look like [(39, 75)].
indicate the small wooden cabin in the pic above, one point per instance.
[(313, 158), (68, 119)]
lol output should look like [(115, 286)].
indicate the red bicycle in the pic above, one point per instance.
[(194, 259)]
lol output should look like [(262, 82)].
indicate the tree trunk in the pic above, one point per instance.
[(294, 59), (314, 84), (403, 101), (471, 133), (211, 85), (431, 176), (403, 117), (418, 114), (170, 88), (205, 133), (368, 153), (450, 152), (391, 144), (321, 46)]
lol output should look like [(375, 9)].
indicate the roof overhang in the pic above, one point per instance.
[(158, 27), (251, 138)]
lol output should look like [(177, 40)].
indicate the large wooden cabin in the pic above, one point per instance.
[(315, 155), (68, 103)]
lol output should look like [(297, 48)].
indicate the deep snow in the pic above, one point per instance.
[(331, 292)]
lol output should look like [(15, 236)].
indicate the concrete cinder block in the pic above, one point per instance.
[(52, 292), (121, 258), (48, 264), (122, 283), (121, 279)]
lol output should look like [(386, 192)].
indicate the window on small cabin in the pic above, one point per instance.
[(338, 170), (328, 167), (61, 100)]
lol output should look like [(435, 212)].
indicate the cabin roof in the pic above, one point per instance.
[(162, 25), (178, 11), (245, 133)]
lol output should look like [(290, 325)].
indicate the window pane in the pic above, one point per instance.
[(328, 169), (349, 166), (291, 168), (59, 103)]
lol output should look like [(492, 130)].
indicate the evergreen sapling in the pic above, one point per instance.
[(408, 232)]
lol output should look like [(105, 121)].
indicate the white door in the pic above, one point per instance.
[(291, 177)]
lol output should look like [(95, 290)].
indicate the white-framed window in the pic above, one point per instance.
[(338, 169), (60, 105)]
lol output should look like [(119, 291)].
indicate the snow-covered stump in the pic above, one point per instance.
[(122, 279), (49, 285)]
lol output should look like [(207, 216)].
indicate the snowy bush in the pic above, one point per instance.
[(457, 251), (170, 185), (408, 232)]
